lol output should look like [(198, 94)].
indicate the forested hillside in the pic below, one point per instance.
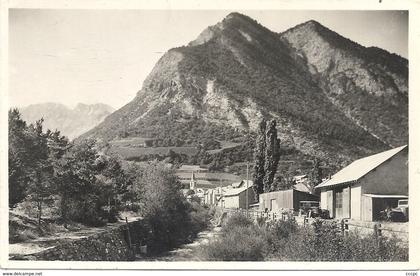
[(332, 98)]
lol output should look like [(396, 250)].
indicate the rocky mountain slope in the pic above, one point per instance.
[(332, 98), (71, 122)]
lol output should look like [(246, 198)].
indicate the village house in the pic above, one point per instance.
[(284, 200), (367, 186), (237, 197), (303, 183)]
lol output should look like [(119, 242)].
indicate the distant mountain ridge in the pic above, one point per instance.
[(333, 98), (71, 122)]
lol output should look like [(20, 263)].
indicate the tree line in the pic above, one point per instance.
[(87, 186)]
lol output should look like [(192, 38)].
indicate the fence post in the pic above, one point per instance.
[(377, 230)]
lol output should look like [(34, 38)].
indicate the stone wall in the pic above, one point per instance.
[(110, 245)]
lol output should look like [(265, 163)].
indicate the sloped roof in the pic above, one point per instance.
[(235, 191), (242, 183), (302, 188), (360, 168)]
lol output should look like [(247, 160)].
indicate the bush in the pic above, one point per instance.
[(200, 218), (237, 220), (323, 241), (283, 229), (236, 244), (85, 210), (240, 240), (22, 236), (243, 240)]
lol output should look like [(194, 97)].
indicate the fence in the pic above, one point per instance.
[(255, 214), (377, 228)]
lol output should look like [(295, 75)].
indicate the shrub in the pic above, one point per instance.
[(240, 243), (323, 241), (237, 220), (283, 229), (200, 218), (372, 248), (22, 236), (85, 210)]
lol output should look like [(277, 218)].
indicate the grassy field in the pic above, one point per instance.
[(130, 142), (209, 179), (224, 146), (133, 152)]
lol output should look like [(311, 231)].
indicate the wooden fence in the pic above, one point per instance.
[(378, 228)]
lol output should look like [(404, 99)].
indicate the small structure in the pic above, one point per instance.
[(367, 186), (237, 198), (193, 182), (210, 197), (285, 199)]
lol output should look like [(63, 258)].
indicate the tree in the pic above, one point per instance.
[(272, 156), (113, 184), (259, 157), (164, 208), (78, 186), (40, 187), (18, 157), (266, 156), (315, 175)]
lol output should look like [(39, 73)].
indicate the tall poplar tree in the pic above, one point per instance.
[(272, 155), (259, 159), (315, 175)]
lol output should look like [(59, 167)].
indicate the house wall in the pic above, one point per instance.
[(356, 202), (329, 198), (366, 208), (251, 198), (239, 200), (346, 202), (231, 201), (327, 201), (287, 199), (283, 199), (323, 203), (390, 178)]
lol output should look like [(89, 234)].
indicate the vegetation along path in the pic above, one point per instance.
[(189, 251)]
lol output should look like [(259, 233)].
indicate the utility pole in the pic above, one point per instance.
[(247, 177)]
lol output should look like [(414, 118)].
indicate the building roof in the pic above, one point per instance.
[(300, 177), (235, 191), (385, 196), (242, 183), (360, 168), (302, 188)]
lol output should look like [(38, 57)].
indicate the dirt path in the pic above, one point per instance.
[(187, 252)]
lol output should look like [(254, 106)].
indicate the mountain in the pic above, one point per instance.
[(332, 98), (71, 122)]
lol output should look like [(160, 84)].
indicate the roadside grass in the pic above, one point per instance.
[(244, 240)]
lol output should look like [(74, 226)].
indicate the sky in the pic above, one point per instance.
[(103, 56)]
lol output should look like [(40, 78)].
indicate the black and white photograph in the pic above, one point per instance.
[(155, 136)]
